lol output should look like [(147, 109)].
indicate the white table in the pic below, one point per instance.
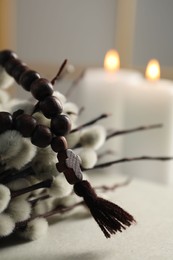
[(80, 239)]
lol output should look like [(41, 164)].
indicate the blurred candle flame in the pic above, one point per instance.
[(153, 70), (112, 61)]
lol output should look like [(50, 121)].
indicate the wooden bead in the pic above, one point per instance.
[(25, 124), (6, 121), (51, 107), (18, 71), (41, 136), (60, 125), (59, 144), (41, 88), (17, 113), (11, 64), (7, 55), (27, 78)]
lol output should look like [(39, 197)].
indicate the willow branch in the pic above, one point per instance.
[(105, 188), (44, 184), (132, 130), (93, 121), (130, 159), (59, 73), (74, 84)]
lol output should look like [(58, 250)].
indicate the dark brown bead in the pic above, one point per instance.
[(17, 113), (51, 107), (11, 64), (18, 71), (41, 88), (6, 121), (27, 78), (7, 55), (41, 136), (59, 144), (25, 124), (60, 125)]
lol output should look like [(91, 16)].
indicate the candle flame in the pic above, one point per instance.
[(153, 70), (112, 61)]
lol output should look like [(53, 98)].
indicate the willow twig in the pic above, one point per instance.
[(44, 184), (74, 83), (106, 188), (59, 73), (93, 121), (13, 174), (130, 159), (132, 130)]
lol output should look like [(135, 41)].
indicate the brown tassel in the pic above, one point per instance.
[(109, 216)]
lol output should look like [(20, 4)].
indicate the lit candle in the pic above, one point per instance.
[(102, 91), (150, 102)]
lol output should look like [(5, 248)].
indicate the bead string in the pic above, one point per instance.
[(50, 106)]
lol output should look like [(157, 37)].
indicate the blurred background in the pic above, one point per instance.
[(44, 33)]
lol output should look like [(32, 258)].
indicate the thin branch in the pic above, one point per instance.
[(74, 84), (18, 174), (90, 122), (105, 188), (132, 130), (59, 74), (33, 201), (128, 159), (81, 110), (44, 184)]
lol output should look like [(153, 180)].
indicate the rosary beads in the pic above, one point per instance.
[(110, 217)]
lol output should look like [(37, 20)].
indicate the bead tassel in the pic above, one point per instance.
[(109, 216)]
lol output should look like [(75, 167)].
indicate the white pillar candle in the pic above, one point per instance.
[(102, 91), (151, 102)]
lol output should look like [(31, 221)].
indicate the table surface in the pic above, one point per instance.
[(76, 238)]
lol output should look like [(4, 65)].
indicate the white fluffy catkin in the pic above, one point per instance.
[(35, 229), (60, 187), (19, 184), (7, 225), (93, 137), (73, 139), (88, 158), (5, 197), (24, 156), (44, 163), (16, 104), (41, 119), (71, 110), (5, 80), (67, 201), (43, 206), (60, 96), (10, 144), (19, 209)]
